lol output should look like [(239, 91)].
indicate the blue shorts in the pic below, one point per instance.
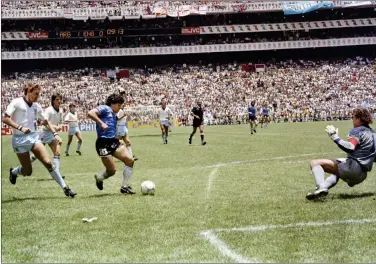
[(24, 143), (73, 130), (47, 137), (121, 131), (164, 123)]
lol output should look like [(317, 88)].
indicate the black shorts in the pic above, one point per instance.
[(106, 146), (252, 118), (266, 116), (351, 171), (197, 123)]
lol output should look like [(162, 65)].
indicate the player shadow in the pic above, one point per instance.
[(103, 195), (45, 179), (15, 199), (345, 196), (148, 135)]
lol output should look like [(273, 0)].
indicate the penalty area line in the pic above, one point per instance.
[(302, 224), (225, 250), (219, 165), (265, 159)]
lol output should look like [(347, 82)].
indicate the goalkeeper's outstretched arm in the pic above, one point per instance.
[(347, 146)]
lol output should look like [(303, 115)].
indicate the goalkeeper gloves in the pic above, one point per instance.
[(332, 132)]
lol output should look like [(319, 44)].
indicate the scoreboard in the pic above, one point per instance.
[(87, 33)]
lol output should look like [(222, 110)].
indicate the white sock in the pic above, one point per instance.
[(56, 162), (130, 151), (67, 148), (102, 175), (127, 174), (17, 171), (57, 177), (330, 182), (319, 174)]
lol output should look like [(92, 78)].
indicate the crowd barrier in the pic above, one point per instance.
[(6, 131)]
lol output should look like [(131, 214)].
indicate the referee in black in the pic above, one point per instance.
[(198, 122)]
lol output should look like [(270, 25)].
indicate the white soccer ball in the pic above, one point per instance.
[(148, 187)]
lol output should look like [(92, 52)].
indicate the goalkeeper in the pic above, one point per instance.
[(361, 154)]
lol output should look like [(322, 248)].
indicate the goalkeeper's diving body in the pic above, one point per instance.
[(361, 154)]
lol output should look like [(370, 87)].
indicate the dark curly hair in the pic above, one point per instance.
[(363, 114), (54, 96), (114, 99)]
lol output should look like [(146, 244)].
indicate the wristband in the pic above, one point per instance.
[(56, 134), (19, 128)]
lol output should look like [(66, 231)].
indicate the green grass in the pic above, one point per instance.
[(40, 224)]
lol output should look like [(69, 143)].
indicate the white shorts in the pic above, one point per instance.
[(121, 131), (24, 143), (73, 130), (164, 123), (47, 137)]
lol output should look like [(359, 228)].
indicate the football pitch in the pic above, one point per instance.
[(240, 198)]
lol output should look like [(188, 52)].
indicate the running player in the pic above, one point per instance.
[(122, 132), (198, 122), (361, 154), (252, 117), (108, 145), (72, 119), (53, 115), (164, 115), (265, 116), (22, 114)]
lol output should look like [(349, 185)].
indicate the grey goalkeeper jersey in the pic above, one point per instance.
[(365, 151)]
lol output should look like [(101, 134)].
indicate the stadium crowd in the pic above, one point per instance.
[(292, 90), (139, 6)]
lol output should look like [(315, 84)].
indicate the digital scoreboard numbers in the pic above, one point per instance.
[(90, 33)]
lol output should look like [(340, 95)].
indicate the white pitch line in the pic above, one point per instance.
[(210, 182), (265, 159), (303, 224), (222, 247), (219, 165), (225, 250)]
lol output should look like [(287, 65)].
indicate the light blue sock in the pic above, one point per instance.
[(79, 145), (67, 148), (17, 171)]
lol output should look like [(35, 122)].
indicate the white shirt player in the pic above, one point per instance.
[(25, 115), (164, 114), (53, 116), (121, 122), (72, 118)]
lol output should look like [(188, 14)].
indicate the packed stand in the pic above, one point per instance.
[(292, 90), (171, 23)]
